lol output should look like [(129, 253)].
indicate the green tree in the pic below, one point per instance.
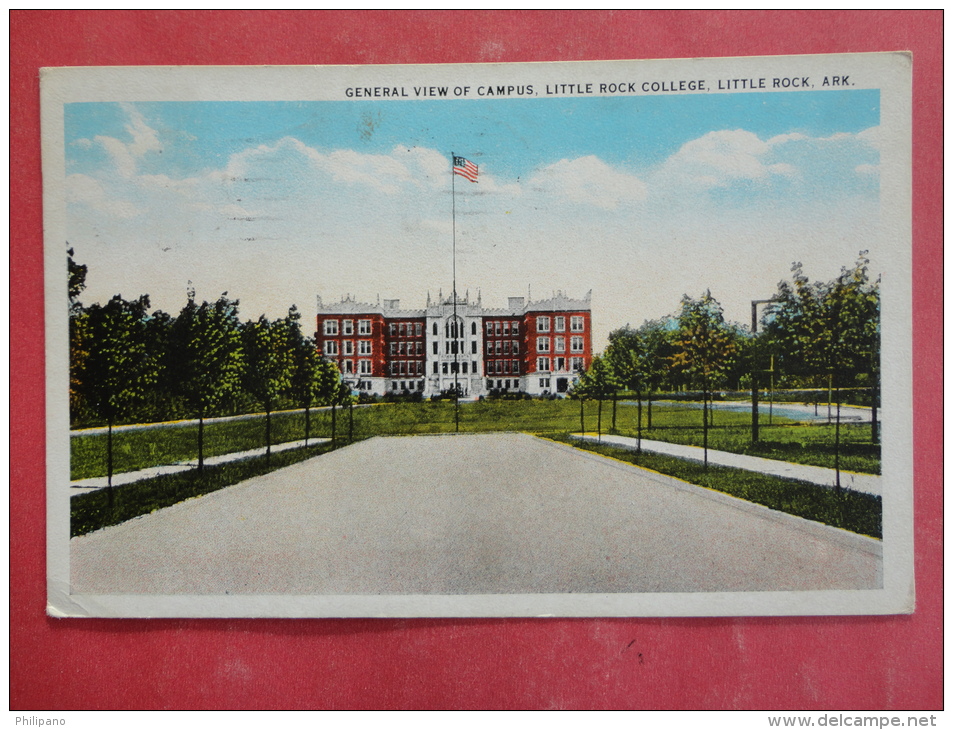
[(830, 329), (635, 358), (314, 379), (269, 363), (78, 337), (705, 348), (207, 347), (598, 382), (119, 367)]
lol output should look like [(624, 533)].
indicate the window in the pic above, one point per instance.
[(560, 344), (364, 347), (516, 328), (435, 330), (330, 326), (348, 367), (348, 327), (578, 324), (436, 348), (542, 324), (419, 350), (576, 364), (489, 329), (445, 368), (348, 347), (363, 326), (506, 367), (542, 364), (402, 348), (364, 367), (393, 329), (464, 368), (499, 347), (393, 348), (499, 329), (506, 329), (560, 363), (576, 344), (506, 347), (544, 382), (418, 329), (473, 328), (516, 348), (560, 324), (403, 329), (435, 367), (330, 346), (473, 347), (542, 344), (516, 367)]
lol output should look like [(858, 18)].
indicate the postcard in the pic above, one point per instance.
[(615, 338)]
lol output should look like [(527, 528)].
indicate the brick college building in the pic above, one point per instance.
[(538, 347)]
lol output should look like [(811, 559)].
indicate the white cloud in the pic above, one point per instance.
[(589, 180), (126, 155), (721, 158), (89, 192)]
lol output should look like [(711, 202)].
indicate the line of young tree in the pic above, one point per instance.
[(129, 364), (812, 335)]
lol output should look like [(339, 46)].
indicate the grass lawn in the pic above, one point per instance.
[(786, 440), (852, 511), (95, 510)]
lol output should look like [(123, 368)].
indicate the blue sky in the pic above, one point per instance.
[(641, 198)]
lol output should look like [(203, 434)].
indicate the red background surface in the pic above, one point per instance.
[(890, 663)]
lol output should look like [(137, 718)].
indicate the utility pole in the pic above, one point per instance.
[(754, 367)]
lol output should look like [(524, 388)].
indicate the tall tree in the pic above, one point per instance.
[(598, 382), (633, 363), (208, 356), (314, 380), (269, 363), (119, 366), (705, 349), (830, 329), (78, 336)]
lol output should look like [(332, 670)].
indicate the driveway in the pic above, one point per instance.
[(467, 514)]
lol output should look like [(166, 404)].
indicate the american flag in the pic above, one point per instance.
[(463, 167)]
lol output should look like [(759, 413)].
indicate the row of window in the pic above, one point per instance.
[(404, 367), (502, 329), (501, 367), (576, 324), (363, 367), (407, 348), (576, 344), (345, 327), (543, 364), (363, 347), (503, 347)]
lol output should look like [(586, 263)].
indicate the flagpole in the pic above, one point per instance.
[(453, 329)]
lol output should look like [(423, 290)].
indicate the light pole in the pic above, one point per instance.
[(754, 367)]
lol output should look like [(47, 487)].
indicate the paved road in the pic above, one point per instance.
[(867, 483), (467, 514)]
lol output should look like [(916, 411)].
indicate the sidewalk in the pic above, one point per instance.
[(81, 486), (867, 483)]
